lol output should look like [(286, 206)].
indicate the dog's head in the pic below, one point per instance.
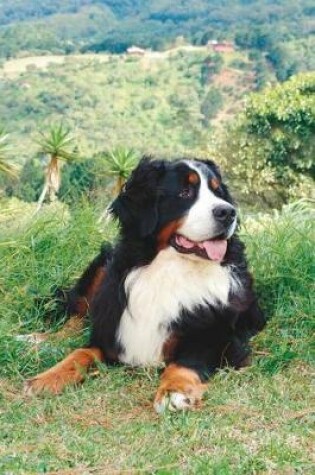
[(182, 204)]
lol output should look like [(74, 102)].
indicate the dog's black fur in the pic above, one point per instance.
[(207, 334), (207, 337)]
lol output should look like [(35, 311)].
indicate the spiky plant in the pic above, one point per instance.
[(119, 163), (58, 143), (6, 167)]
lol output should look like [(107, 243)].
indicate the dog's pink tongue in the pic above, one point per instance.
[(215, 249), (184, 242)]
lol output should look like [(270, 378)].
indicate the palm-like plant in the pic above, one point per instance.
[(119, 163), (58, 144), (6, 167)]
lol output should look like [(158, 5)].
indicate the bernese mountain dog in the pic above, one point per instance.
[(175, 289)]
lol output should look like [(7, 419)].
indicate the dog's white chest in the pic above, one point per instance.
[(156, 295)]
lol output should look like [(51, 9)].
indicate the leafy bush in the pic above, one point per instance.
[(30, 183), (211, 65), (270, 150)]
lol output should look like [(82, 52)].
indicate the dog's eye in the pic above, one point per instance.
[(187, 193)]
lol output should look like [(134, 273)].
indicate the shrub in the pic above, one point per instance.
[(269, 151)]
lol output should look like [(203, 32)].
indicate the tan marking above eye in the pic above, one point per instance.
[(214, 183), (193, 178)]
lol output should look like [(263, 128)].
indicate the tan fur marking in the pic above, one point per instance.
[(214, 183), (193, 178), (166, 233), (82, 304), (169, 347), (182, 380), (71, 370), (99, 277)]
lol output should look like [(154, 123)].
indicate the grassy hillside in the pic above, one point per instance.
[(162, 102), (256, 421)]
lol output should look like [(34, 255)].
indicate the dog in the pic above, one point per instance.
[(175, 288)]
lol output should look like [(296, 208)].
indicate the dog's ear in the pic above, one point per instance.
[(136, 207)]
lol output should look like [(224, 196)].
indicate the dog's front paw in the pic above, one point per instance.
[(181, 389), (48, 382), (175, 401)]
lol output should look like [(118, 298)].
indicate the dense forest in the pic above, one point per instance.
[(281, 29)]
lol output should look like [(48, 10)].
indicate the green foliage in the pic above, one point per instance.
[(69, 25), (83, 178), (284, 117), (270, 150), (282, 62), (211, 105), (262, 74), (261, 38), (211, 65), (289, 58), (58, 142), (30, 183), (152, 107), (119, 163), (287, 55), (6, 167), (280, 246), (50, 240)]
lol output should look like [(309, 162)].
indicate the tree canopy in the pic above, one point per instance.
[(272, 145), (108, 25)]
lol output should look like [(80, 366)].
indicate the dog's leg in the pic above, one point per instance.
[(78, 300), (180, 389), (71, 370)]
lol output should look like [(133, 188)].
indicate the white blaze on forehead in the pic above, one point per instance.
[(200, 223)]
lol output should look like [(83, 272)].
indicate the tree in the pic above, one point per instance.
[(284, 65), (119, 163), (211, 65), (270, 149), (6, 168), (211, 105), (27, 187), (58, 144)]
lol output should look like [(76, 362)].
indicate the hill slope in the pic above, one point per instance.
[(161, 102)]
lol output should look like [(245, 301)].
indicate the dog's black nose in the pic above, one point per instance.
[(224, 213)]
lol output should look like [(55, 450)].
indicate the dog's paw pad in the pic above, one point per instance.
[(174, 401)]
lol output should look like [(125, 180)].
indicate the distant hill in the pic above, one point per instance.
[(67, 26), (159, 102)]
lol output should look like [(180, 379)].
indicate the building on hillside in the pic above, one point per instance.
[(221, 46), (135, 51)]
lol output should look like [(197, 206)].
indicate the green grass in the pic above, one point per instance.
[(256, 421)]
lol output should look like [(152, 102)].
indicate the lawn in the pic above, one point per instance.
[(255, 421)]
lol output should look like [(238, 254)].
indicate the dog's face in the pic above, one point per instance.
[(182, 204)]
